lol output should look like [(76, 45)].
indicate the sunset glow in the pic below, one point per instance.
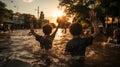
[(57, 13), (29, 1)]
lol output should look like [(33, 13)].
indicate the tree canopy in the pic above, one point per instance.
[(4, 12), (79, 8)]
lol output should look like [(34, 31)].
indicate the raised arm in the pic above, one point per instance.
[(54, 33), (94, 23), (31, 27)]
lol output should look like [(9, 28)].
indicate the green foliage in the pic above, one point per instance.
[(2, 5), (8, 14), (111, 7), (84, 24), (4, 13), (80, 8), (77, 8), (26, 21)]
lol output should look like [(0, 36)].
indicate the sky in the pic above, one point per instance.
[(31, 6)]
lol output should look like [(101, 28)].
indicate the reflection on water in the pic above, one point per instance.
[(20, 44)]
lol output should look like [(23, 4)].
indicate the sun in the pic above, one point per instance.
[(57, 13), (27, 1)]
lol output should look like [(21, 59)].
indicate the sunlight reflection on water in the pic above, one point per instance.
[(23, 45)]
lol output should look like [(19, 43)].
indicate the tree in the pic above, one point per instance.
[(4, 12), (83, 6), (79, 8), (26, 20), (111, 7)]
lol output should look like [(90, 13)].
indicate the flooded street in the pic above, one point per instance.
[(21, 45)]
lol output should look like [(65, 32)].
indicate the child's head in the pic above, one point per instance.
[(116, 32), (76, 29), (47, 29)]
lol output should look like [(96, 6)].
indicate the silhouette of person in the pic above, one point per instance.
[(77, 45), (46, 40), (116, 36)]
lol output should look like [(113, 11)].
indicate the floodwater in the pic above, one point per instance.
[(21, 45)]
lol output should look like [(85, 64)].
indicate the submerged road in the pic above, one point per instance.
[(21, 45)]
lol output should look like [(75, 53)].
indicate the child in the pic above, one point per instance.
[(116, 37), (77, 45), (47, 39)]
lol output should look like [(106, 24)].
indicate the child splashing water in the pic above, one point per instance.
[(46, 40)]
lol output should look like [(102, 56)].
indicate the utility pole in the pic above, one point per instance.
[(38, 12)]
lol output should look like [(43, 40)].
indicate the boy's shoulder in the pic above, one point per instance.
[(39, 38), (81, 40), (47, 38), (75, 40)]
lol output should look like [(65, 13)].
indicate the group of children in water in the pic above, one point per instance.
[(76, 46)]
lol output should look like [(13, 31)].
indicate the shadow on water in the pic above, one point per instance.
[(21, 48), (5, 41)]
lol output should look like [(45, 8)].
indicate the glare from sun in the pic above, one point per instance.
[(27, 1), (57, 13)]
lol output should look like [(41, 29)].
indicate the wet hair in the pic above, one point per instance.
[(47, 29), (75, 29)]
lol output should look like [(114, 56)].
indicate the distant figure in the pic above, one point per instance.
[(46, 40), (77, 45), (42, 15), (63, 21), (109, 27), (116, 37)]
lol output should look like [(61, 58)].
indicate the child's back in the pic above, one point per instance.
[(45, 41), (77, 45)]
